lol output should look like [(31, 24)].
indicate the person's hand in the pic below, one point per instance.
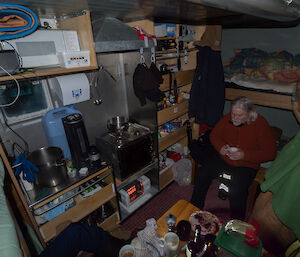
[(237, 155), (224, 150)]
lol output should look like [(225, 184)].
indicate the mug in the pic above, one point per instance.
[(170, 243), (127, 251), (233, 149)]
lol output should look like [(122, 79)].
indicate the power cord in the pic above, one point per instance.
[(20, 60), (18, 89), (26, 151)]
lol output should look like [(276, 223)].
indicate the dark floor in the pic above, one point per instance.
[(157, 206)]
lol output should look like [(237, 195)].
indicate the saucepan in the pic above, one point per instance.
[(52, 166)]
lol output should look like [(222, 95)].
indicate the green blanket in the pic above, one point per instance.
[(283, 180), (9, 243)]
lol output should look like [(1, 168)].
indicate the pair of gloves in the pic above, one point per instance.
[(25, 167)]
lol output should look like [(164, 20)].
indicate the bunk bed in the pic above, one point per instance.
[(269, 79), (262, 92)]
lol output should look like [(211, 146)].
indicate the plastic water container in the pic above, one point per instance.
[(54, 129), (182, 172)]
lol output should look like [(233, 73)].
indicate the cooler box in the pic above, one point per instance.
[(54, 129)]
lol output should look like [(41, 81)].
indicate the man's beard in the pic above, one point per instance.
[(237, 122)]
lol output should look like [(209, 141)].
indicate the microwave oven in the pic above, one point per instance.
[(41, 48)]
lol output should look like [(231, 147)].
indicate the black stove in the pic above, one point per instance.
[(128, 150), (133, 132)]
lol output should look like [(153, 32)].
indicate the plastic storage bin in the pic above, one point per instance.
[(54, 129), (182, 172)]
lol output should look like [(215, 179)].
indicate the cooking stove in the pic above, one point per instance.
[(133, 132), (128, 150)]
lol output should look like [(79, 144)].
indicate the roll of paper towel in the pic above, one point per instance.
[(71, 89)]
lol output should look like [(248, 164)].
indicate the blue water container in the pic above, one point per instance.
[(54, 129)]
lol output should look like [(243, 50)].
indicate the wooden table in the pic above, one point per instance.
[(182, 210)]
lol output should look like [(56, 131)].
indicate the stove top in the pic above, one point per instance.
[(133, 132)]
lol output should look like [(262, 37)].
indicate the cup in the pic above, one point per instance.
[(233, 149), (170, 243), (127, 251)]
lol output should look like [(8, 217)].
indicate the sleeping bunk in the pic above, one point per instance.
[(262, 92), (269, 79)]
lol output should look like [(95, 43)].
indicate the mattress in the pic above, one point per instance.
[(244, 81)]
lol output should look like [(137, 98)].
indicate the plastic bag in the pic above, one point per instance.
[(182, 172)]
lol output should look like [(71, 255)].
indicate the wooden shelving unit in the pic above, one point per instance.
[(83, 206), (172, 112), (165, 177), (171, 139), (184, 80), (82, 24)]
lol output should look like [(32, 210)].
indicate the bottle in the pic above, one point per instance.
[(196, 247)]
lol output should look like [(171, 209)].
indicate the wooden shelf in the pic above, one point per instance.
[(172, 113), (36, 73), (165, 38), (142, 171), (103, 172), (82, 208), (166, 51), (82, 24), (165, 177), (171, 139), (174, 50), (110, 221), (182, 77), (261, 98)]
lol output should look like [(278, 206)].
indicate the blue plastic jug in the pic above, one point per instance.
[(54, 129)]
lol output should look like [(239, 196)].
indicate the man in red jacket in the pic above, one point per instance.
[(243, 139)]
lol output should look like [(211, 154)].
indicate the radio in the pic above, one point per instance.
[(134, 190), (166, 44)]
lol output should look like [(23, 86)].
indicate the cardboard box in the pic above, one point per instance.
[(165, 29)]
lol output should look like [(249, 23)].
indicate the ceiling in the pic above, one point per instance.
[(234, 13)]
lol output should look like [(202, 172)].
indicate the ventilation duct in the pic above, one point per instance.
[(277, 10), (112, 35)]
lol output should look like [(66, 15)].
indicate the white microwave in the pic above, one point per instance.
[(41, 48)]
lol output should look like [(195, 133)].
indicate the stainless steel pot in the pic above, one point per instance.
[(117, 124), (52, 165)]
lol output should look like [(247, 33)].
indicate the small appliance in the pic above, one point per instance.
[(127, 150), (74, 59), (134, 190), (54, 129), (77, 139), (40, 48), (70, 89)]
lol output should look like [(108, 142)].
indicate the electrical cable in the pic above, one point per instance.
[(21, 150), (22, 139), (20, 60), (18, 89)]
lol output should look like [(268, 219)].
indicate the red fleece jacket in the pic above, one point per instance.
[(255, 139)]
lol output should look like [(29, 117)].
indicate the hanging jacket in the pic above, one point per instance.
[(207, 95)]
